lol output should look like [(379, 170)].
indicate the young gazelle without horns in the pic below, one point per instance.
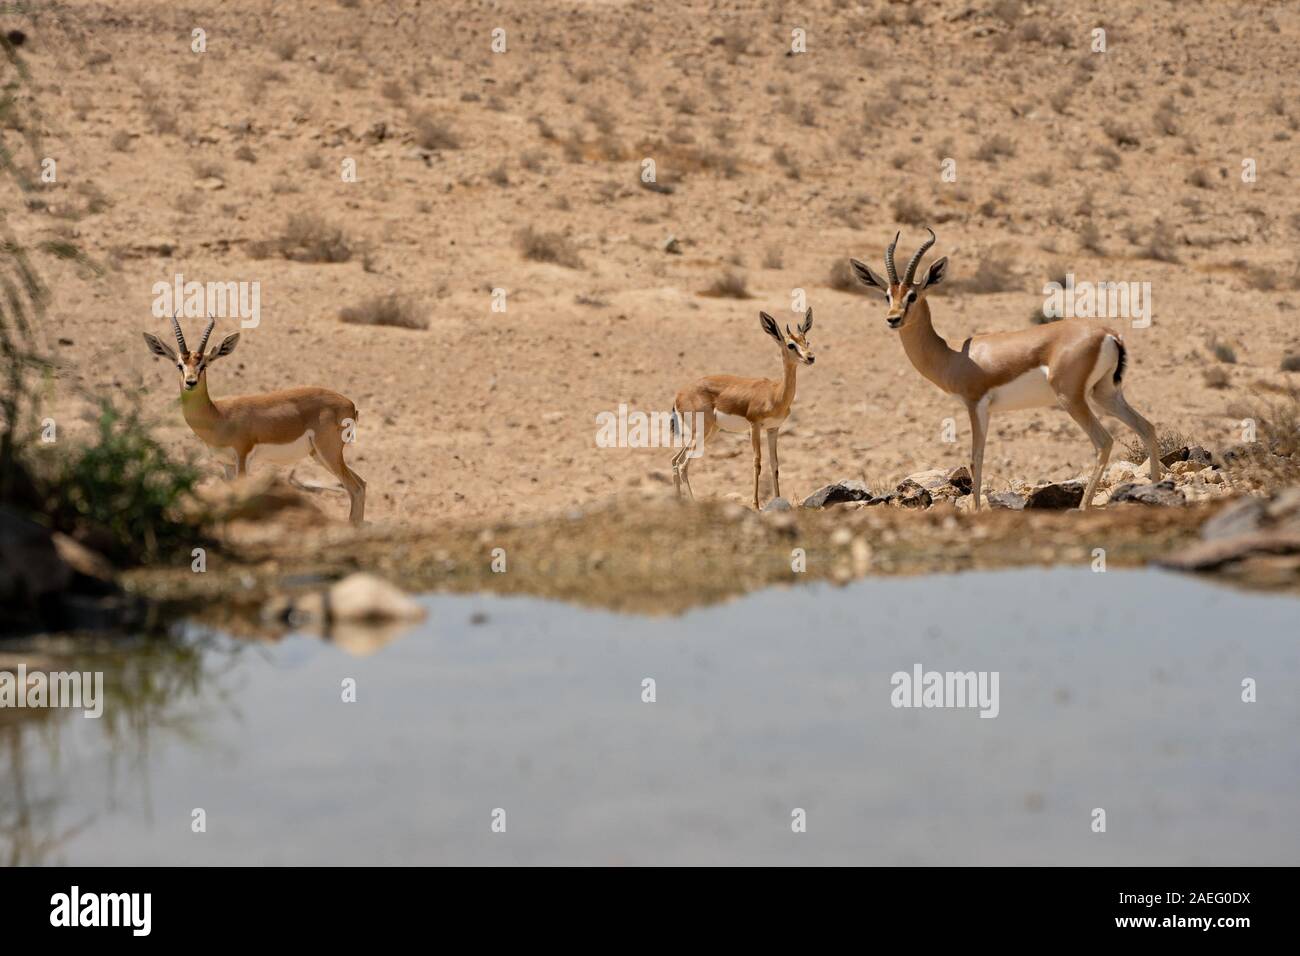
[(281, 426), (753, 405), (1070, 363)]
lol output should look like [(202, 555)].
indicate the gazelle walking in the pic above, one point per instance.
[(281, 426), (1071, 363), (753, 405)]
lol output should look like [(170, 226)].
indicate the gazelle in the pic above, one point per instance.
[(1071, 363), (753, 405), (280, 427)]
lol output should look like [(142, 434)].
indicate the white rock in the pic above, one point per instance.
[(365, 597)]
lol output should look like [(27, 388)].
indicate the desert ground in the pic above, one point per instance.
[(473, 168)]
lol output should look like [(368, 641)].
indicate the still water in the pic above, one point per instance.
[(1120, 691)]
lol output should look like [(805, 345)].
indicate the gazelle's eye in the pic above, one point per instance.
[(790, 346), (911, 296)]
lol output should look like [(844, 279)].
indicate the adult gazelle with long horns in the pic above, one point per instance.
[(280, 427), (1073, 363)]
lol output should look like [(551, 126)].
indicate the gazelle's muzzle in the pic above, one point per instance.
[(894, 320)]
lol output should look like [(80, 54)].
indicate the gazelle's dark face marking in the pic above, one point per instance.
[(902, 294), (192, 365), (900, 300)]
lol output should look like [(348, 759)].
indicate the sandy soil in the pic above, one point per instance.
[(1122, 166)]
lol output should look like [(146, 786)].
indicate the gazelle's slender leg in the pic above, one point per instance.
[(776, 462), (327, 448), (1101, 440), (699, 438), (755, 439), (979, 430), (241, 462), (1113, 402)]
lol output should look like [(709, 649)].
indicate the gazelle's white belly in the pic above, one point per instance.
[(1028, 390), (270, 454), (739, 424)]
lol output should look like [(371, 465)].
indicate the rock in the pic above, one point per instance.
[(941, 483), (850, 490), (1237, 518), (777, 504), (90, 565), (1211, 555), (1199, 455), (1118, 472), (1010, 500), (1160, 493), (911, 495), (1185, 467), (364, 597), (1056, 495), (48, 580), (929, 480), (210, 183), (1244, 453), (30, 564), (960, 479), (1178, 454), (672, 246)]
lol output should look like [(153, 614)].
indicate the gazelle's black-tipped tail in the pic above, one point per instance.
[(1120, 365), (675, 423)]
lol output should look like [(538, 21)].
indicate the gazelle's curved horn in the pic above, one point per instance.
[(180, 336), (206, 332), (889, 260), (916, 257)]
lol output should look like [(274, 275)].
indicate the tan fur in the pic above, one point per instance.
[(1068, 351), (763, 402), (240, 424)]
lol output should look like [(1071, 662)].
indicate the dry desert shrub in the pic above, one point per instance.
[(995, 147), (909, 211), (1167, 440), (842, 279), (1217, 377), (307, 237), (729, 285), (1223, 352), (433, 132), (1161, 245), (994, 273), (391, 309), (554, 247)]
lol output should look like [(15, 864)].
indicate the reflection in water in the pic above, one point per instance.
[(154, 688), (1119, 690)]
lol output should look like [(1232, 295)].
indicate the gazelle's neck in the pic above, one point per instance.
[(788, 381), (926, 349), (200, 414)]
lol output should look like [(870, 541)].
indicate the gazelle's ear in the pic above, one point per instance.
[(806, 324), (770, 326), (866, 276), (159, 348), (934, 274), (225, 348)]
